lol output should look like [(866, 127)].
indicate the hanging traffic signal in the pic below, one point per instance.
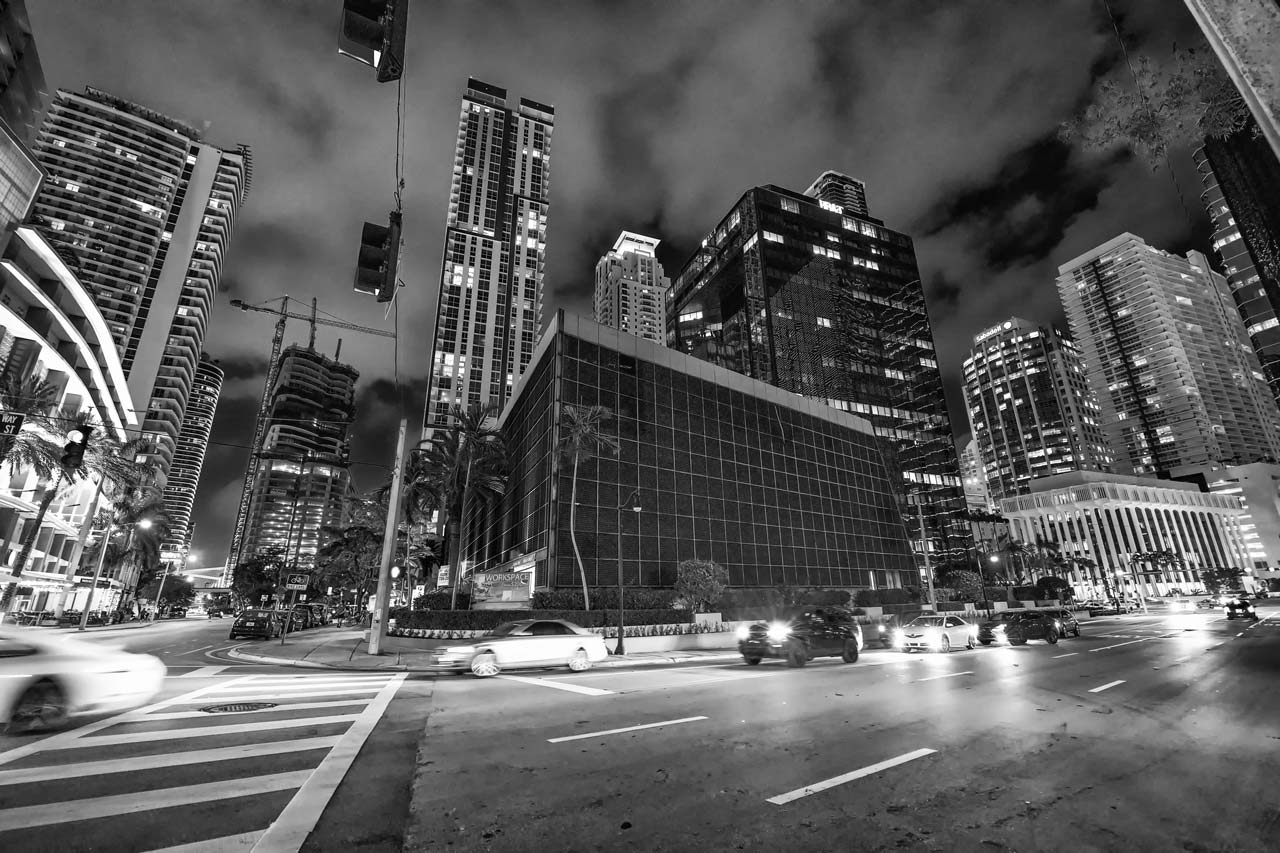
[(77, 443), (374, 32), (379, 257)]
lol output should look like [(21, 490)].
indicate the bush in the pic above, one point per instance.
[(1025, 593), (701, 582), (967, 585), (607, 597), (483, 620), (438, 599), (1051, 586), (943, 593)]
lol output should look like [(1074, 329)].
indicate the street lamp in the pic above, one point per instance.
[(621, 606), (144, 523)]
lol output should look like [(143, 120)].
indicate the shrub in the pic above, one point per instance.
[(1025, 593), (967, 585), (438, 599), (483, 620), (868, 597), (701, 582), (899, 596), (944, 593), (840, 597), (1051, 586), (641, 598)]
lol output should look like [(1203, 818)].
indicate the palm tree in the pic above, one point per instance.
[(129, 544), (581, 439), (34, 399)]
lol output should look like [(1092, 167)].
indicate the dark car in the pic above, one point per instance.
[(802, 634), (1033, 625), (992, 630), (1240, 606), (176, 613), (256, 622), (300, 617), (1066, 622)]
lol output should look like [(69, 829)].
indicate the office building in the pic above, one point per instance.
[(1241, 177), (1031, 411), (1166, 353), (777, 488), (490, 301), (631, 288), (23, 93), (849, 194), (977, 498), (301, 485), (142, 209), (827, 303), (21, 177), (1257, 486), (188, 461)]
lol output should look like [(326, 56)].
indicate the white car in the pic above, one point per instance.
[(936, 634), (527, 643), (44, 679)]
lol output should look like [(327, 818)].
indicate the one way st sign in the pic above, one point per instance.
[(11, 423)]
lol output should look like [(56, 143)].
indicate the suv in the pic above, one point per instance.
[(1241, 606), (1034, 625), (993, 629), (802, 634), (1065, 621), (256, 622)]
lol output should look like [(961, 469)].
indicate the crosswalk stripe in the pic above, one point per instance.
[(207, 731), (52, 772), (226, 844), (284, 689), (47, 814), (268, 696), (290, 706), (202, 672)]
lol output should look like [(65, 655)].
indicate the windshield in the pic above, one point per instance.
[(256, 614), (927, 621), (506, 629)]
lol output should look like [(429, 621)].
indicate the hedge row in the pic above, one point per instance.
[(564, 599), (488, 619)]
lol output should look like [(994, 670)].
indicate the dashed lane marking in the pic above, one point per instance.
[(1107, 686), (819, 787), (1067, 655), (944, 675), (1118, 645), (590, 735)]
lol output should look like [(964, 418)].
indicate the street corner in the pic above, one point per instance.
[(247, 657)]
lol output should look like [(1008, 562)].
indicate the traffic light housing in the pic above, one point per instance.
[(77, 444), (378, 259), (374, 32)]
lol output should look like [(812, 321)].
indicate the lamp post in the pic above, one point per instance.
[(102, 556), (621, 606)]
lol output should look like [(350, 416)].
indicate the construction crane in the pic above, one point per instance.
[(259, 427)]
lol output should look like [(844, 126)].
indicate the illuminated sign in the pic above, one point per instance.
[(826, 205), (1003, 327)]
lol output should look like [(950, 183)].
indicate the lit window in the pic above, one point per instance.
[(690, 316), (790, 205), (73, 188), (769, 235), (824, 323)]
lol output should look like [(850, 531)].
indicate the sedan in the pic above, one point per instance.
[(527, 643), (992, 631), (46, 679), (256, 622), (1034, 625), (936, 634)]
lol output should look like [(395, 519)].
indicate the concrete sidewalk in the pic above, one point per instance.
[(339, 648)]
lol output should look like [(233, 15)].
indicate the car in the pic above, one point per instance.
[(256, 622), (298, 617), (1065, 621), (992, 630), (1207, 603), (801, 634), (1034, 625), (176, 613), (319, 614), (1262, 593), (1179, 605), (523, 643), (936, 633), (44, 680), (1241, 606)]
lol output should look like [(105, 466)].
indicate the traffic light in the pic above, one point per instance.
[(77, 443), (373, 32), (379, 256)]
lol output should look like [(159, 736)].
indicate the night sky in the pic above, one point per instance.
[(666, 112)]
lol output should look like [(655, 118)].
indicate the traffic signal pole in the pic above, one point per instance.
[(378, 630)]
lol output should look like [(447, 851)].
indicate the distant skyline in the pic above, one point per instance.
[(666, 113)]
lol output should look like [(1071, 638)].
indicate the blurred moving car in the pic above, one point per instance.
[(1033, 625), (1178, 605), (526, 643), (1065, 621), (46, 679), (936, 633), (1241, 606), (1261, 592), (992, 630), (256, 622), (802, 634)]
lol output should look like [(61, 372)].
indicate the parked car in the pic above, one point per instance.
[(176, 613), (1033, 625), (992, 630), (299, 617), (526, 643), (256, 622), (802, 634), (936, 633), (46, 679), (319, 614)]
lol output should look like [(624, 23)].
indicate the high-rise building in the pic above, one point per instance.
[(188, 461), (827, 303), (490, 302), (142, 208), (833, 187), (301, 485), (1166, 353), (1031, 411), (23, 95), (1241, 177), (631, 288), (976, 496)]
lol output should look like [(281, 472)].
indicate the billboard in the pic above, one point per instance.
[(499, 590)]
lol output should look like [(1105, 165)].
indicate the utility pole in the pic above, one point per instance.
[(378, 629)]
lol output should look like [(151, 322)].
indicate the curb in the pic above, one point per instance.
[(611, 663)]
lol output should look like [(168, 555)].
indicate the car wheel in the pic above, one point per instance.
[(751, 660), (946, 645), (485, 665), (1020, 642), (231, 636), (580, 662), (41, 707), (1075, 632), (969, 644), (985, 642), (850, 651), (797, 657), (1051, 637)]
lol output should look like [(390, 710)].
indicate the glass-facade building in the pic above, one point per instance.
[(824, 301), (776, 488)]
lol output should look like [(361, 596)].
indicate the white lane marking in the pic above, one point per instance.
[(277, 697), (202, 648), (627, 729), (209, 731), (368, 685), (226, 844), (1214, 646), (1118, 645), (1067, 655), (202, 672), (818, 787), (288, 706), (288, 831), (26, 817), (1106, 686), (1183, 660), (169, 759), (558, 685), (946, 675)]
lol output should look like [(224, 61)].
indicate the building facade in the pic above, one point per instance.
[(142, 208), (188, 461), (849, 194), (23, 93), (977, 498), (776, 488), (827, 303), (631, 288), (1167, 354), (490, 301), (1104, 524), (301, 485), (1031, 411), (1257, 485)]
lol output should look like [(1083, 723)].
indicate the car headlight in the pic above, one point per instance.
[(999, 629), (777, 633), (743, 631), (897, 638)]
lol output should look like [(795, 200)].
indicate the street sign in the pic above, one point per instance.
[(297, 582), (11, 423)]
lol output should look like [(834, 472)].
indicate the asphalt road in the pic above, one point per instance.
[(1147, 733), (174, 776)]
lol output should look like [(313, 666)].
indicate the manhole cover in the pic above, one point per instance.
[(238, 708)]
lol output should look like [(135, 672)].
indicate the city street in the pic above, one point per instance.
[(1148, 732), (173, 776)]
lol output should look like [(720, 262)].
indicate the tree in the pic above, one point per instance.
[(701, 582), (1051, 586), (257, 576), (351, 557), (1218, 579), (178, 592), (967, 584), (30, 449), (135, 526), (582, 438)]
